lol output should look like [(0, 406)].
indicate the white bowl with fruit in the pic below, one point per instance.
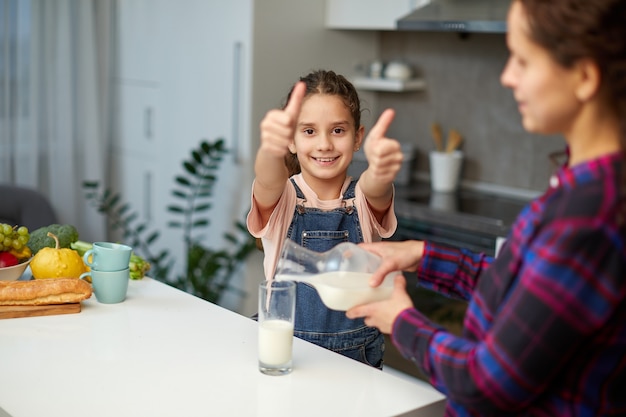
[(14, 254)]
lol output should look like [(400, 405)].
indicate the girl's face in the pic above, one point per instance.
[(325, 137), (544, 90)]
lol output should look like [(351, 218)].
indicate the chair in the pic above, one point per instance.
[(25, 207)]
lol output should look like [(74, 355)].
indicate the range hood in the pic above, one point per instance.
[(488, 16)]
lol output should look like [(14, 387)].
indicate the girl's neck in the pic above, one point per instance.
[(325, 188)]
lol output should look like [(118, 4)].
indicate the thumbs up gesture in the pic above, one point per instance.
[(278, 126), (384, 155)]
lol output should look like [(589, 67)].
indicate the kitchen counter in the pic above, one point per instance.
[(163, 352)]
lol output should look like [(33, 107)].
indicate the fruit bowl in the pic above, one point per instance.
[(13, 273)]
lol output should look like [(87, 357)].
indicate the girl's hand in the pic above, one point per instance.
[(278, 126), (397, 256), (382, 314), (384, 155)]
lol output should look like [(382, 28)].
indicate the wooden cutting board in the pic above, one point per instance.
[(10, 312)]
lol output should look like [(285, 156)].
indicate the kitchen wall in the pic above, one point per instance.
[(464, 92)]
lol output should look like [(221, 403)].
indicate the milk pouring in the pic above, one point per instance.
[(340, 275)]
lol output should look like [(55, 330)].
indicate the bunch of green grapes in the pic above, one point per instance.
[(13, 237)]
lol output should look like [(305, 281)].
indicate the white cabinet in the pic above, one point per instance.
[(137, 117), (137, 24), (368, 14), (197, 69)]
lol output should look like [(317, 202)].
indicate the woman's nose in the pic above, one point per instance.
[(506, 76)]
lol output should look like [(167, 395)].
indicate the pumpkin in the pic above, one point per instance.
[(57, 262)]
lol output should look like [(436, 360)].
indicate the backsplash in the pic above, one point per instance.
[(463, 92)]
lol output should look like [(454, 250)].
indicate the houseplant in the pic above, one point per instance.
[(208, 271)]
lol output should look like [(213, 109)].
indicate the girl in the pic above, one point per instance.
[(545, 330), (318, 132)]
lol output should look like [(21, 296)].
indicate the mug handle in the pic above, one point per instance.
[(84, 276), (86, 258)]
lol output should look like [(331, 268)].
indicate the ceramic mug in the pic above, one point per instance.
[(110, 287), (108, 256)]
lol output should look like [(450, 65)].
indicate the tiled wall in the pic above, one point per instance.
[(464, 92)]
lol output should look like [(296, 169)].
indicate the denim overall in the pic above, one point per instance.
[(320, 231)]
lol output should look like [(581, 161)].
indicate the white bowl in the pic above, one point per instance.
[(398, 71), (13, 273)]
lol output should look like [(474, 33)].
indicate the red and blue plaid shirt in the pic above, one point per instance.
[(545, 329)]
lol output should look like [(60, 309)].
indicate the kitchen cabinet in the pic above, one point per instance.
[(200, 70), (368, 14)]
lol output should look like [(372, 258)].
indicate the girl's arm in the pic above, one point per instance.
[(277, 132), (384, 157)]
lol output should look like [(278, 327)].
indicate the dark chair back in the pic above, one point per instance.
[(25, 207)]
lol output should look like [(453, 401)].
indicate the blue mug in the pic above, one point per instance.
[(110, 287), (108, 256)]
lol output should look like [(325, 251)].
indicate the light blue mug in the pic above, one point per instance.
[(108, 256), (110, 287)]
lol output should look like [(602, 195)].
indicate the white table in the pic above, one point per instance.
[(163, 352)]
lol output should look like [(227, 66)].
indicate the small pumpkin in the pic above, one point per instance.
[(57, 262)]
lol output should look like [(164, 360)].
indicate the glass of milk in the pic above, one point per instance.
[(277, 306)]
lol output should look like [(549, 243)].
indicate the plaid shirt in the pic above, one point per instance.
[(545, 329)]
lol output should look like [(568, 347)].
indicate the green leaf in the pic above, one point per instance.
[(202, 207), (183, 181), (152, 237), (189, 167), (178, 193)]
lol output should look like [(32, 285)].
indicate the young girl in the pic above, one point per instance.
[(545, 330), (318, 132)]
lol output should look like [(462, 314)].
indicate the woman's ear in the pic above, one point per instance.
[(292, 147), (589, 80), (358, 139)]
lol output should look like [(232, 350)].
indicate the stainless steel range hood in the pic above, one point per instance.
[(488, 16)]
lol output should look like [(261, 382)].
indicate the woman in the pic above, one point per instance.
[(545, 329)]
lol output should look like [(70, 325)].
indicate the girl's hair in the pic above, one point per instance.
[(330, 83), (593, 29)]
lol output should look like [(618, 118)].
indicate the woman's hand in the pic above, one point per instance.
[(382, 314), (397, 256)]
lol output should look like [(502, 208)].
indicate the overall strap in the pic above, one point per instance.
[(347, 195), (299, 192), (350, 190)]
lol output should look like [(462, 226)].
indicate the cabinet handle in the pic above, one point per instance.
[(236, 101), (147, 122), (147, 196)]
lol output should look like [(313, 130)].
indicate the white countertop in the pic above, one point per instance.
[(164, 352)]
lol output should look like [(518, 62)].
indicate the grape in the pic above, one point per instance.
[(13, 237)]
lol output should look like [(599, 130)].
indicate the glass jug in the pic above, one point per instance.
[(340, 275)]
